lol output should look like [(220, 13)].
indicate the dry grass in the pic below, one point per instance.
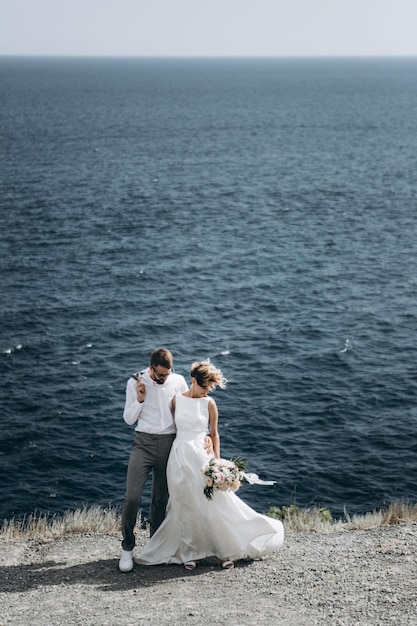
[(321, 520), (98, 520), (88, 520)]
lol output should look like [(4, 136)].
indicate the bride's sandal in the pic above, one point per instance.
[(227, 564), (190, 565)]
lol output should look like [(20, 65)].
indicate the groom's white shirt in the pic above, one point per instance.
[(154, 415)]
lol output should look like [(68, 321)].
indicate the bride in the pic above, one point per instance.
[(195, 527)]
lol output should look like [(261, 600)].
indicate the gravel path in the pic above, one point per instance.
[(341, 578)]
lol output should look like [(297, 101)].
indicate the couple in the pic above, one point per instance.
[(171, 440)]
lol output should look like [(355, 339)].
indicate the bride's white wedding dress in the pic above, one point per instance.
[(195, 527)]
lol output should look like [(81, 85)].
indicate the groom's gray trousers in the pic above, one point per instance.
[(149, 454)]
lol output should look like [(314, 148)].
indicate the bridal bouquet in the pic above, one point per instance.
[(222, 475)]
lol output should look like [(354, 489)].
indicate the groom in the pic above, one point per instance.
[(148, 402)]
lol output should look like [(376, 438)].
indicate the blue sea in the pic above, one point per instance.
[(258, 212)]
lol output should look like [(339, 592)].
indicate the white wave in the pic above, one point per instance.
[(347, 347), (10, 350)]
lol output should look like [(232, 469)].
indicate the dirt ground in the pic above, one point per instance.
[(338, 578)]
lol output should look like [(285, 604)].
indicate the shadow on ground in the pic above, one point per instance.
[(104, 574)]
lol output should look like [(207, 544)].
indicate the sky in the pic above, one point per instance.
[(207, 28)]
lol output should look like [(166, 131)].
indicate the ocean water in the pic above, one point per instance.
[(261, 213)]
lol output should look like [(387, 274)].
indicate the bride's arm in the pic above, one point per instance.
[(213, 422)]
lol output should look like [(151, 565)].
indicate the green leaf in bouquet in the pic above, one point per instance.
[(241, 464)]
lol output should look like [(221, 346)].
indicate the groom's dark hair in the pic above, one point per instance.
[(162, 356)]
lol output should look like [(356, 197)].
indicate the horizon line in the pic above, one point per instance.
[(216, 56)]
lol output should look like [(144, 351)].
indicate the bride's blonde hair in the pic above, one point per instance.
[(207, 375)]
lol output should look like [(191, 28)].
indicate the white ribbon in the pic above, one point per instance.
[(254, 479)]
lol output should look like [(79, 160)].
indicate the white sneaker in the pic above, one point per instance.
[(126, 561)]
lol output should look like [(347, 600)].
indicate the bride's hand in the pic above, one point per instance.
[(208, 445)]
